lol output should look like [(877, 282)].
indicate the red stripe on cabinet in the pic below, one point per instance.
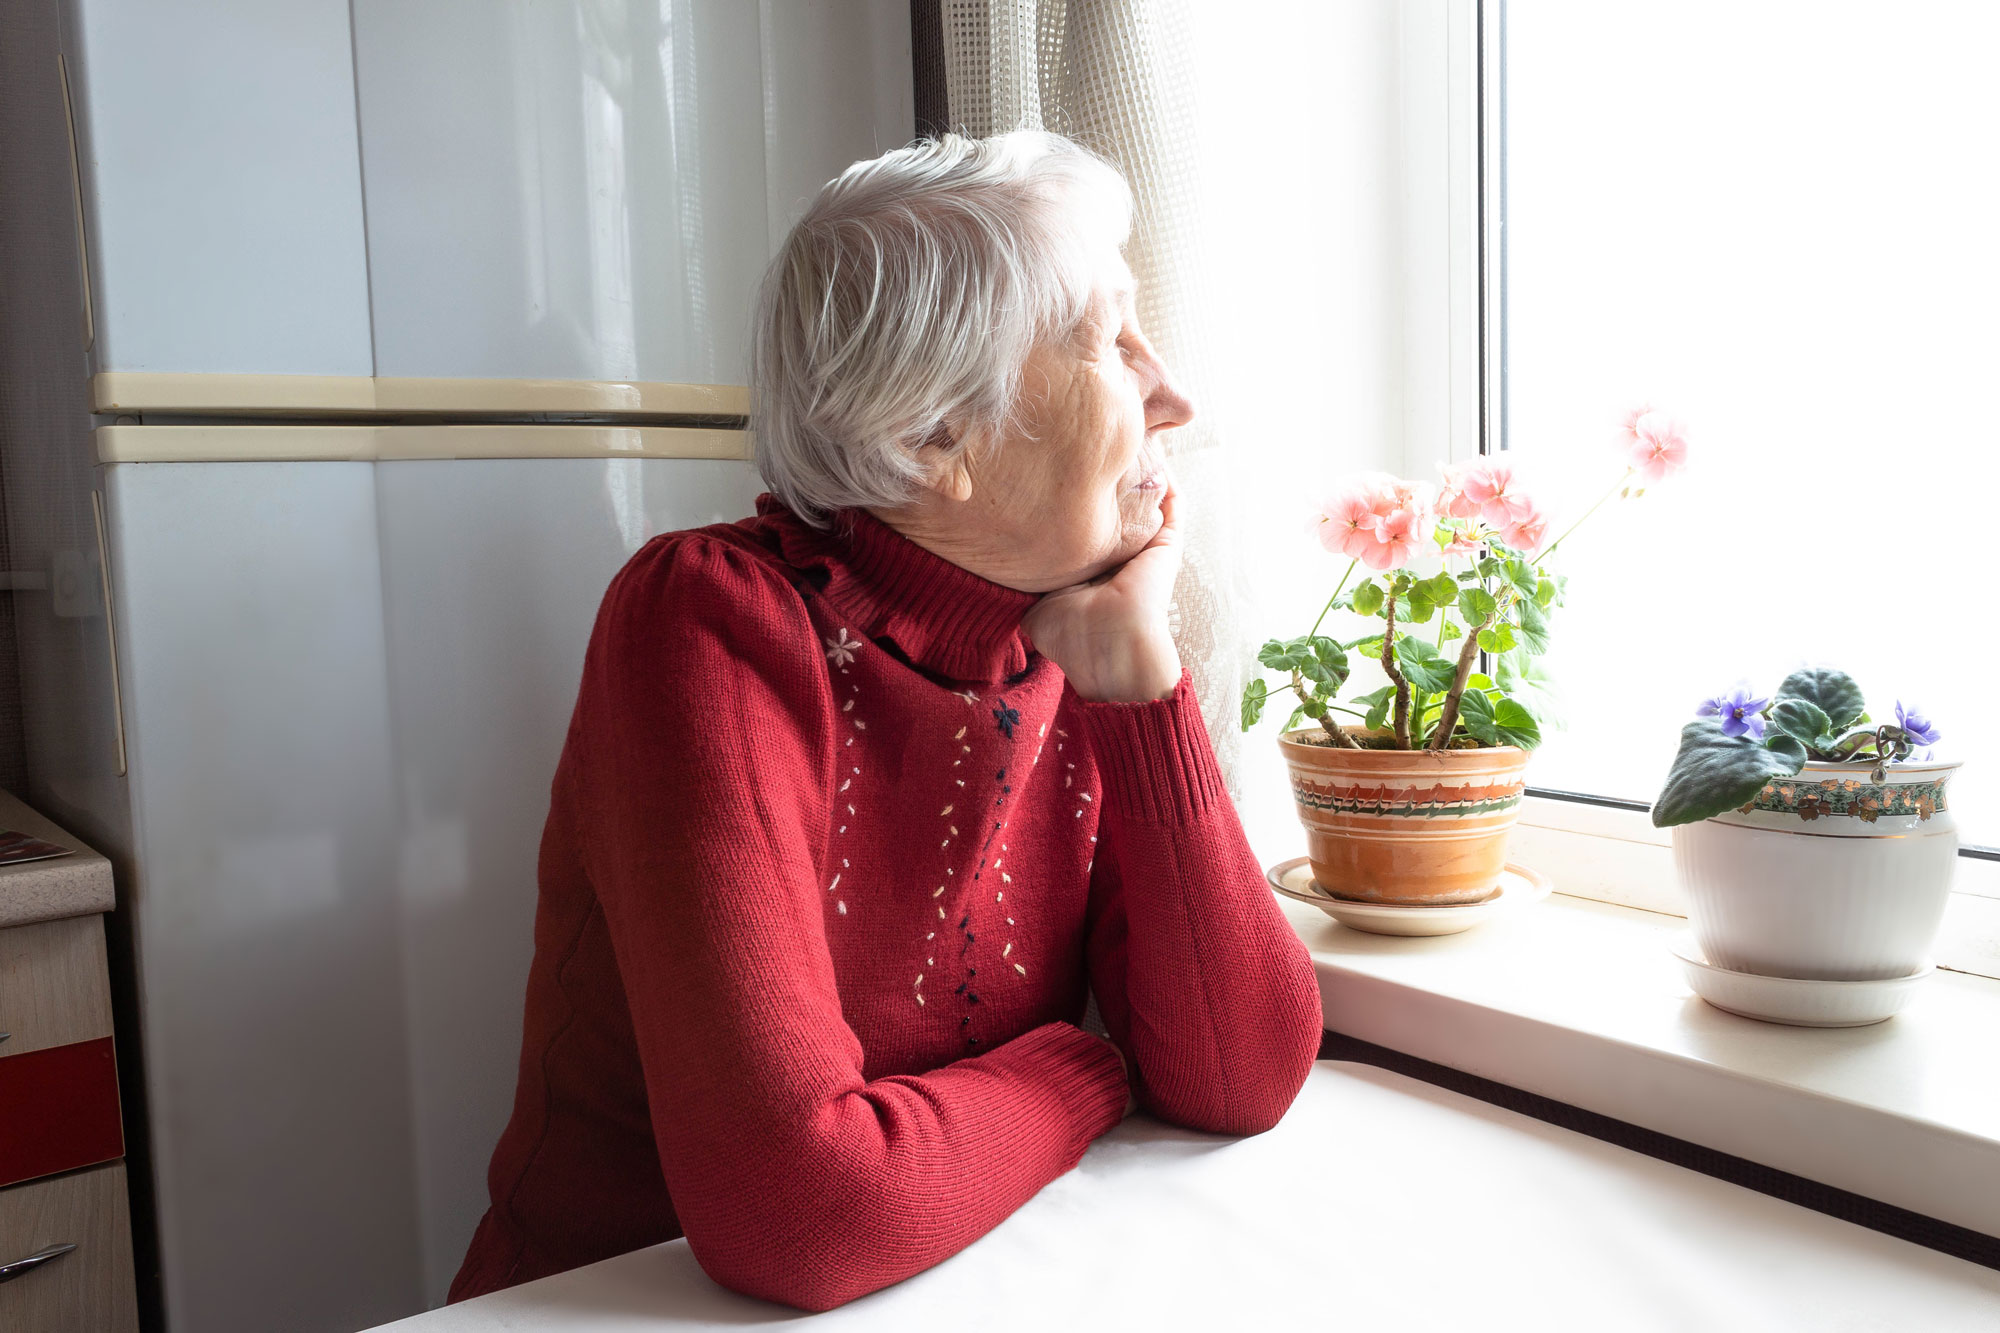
[(58, 1110)]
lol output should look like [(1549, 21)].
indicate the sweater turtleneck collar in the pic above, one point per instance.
[(944, 617)]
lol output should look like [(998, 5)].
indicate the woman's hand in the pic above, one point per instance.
[(1109, 635)]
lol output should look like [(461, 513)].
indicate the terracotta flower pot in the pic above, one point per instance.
[(1405, 826)]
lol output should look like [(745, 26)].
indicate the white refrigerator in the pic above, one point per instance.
[(394, 328)]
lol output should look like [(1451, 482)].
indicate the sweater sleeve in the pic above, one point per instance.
[(705, 723), (1197, 973)]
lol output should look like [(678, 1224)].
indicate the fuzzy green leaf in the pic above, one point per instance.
[(1368, 598), (1713, 772), (1801, 719), (1833, 692)]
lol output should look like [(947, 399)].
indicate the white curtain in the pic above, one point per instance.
[(1115, 76)]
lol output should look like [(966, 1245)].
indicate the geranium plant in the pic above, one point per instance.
[(1453, 571), (1739, 741)]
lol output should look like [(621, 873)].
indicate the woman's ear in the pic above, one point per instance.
[(948, 462)]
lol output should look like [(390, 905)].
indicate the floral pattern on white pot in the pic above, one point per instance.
[(1829, 875)]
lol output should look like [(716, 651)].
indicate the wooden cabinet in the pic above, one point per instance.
[(65, 1226), (85, 1290)]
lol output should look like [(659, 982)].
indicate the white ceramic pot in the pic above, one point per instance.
[(1826, 876)]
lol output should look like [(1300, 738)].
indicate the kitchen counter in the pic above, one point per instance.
[(74, 885), (1378, 1203)]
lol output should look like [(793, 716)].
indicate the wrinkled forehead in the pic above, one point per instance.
[(1113, 288)]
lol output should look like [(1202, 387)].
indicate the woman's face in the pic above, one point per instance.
[(1074, 487)]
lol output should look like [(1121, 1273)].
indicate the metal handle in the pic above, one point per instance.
[(23, 1267)]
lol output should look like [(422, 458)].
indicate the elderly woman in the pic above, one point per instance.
[(863, 794)]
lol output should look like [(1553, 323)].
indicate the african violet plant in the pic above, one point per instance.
[(1488, 590), (1738, 742)]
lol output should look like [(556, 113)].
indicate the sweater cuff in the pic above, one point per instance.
[(1080, 1069), (1154, 756)]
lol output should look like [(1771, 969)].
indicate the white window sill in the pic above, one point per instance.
[(1580, 1001)]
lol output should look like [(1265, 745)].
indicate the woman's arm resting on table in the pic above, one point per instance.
[(706, 775), (1196, 971)]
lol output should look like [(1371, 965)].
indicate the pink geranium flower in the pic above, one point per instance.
[(1628, 433), (1527, 533), (1377, 520), (1657, 447), (1342, 515), (1463, 538), (1452, 501), (1396, 539), (1491, 486)]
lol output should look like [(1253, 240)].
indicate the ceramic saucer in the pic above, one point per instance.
[(1796, 1001), (1518, 887)]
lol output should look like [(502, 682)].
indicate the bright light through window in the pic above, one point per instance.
[(1777, 220)]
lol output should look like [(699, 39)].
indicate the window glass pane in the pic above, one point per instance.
[(1777, 220)]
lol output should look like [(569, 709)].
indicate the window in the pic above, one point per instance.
[(1777, 221)]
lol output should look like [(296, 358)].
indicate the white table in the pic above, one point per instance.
[(1380, 1203)]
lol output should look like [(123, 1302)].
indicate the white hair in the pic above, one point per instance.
[(910, 294)]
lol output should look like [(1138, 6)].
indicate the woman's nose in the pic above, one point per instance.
[(1166, 405)]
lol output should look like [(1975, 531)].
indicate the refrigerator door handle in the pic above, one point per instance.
[(110, 628)]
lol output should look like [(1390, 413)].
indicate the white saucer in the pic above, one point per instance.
[(1519, 886), (1796, 1001)]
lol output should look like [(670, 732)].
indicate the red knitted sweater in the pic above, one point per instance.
[(830, 862)]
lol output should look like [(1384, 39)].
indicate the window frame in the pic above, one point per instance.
[(1455, 350)]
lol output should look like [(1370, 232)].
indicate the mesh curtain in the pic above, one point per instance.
[(1114, 75)]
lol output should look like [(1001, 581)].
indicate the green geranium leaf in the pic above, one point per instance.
[(1452, 630), (1522, 575), (1442, 589), (1475, 713), (1476, 604), (1516, 725), (1533, 629), (1802, 720), (1368, 598), (1332, 657), (1479, 680), (1834, 692), (1499, 639), (1418, 609), (1526, 678), (1298, 715), (1254, 695), (1274, 654), (1313, 708), (1713, 772), (1422, 666)]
